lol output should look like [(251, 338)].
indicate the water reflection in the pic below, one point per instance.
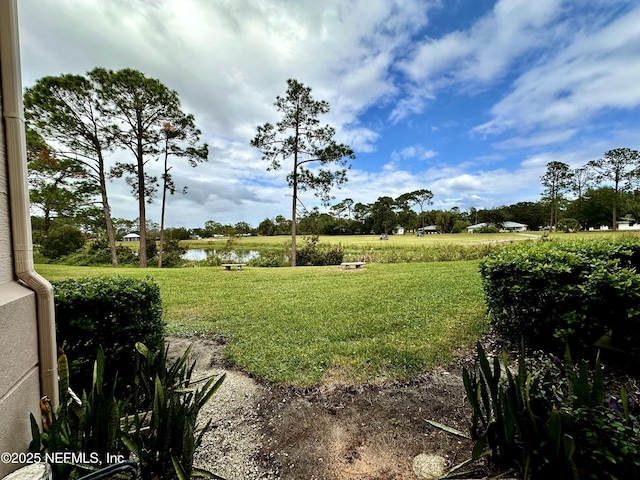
[(240, 256)]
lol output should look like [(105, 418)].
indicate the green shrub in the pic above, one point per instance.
[(114, 313), (269, 259), (488, 229), (528, 422), (89, 427), (164, 438), (313, 254), (161, 430), (556, 292), (61, 241), (97, 252), (172, 253)]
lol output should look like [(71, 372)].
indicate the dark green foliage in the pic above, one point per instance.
[(60, 241), (90, 428), (151, 249), (487, 229), (312, 254), (110, 312), (546, 425), (172, 253), (556, 292), (161, 431), (165, 437), (268, 259), (98, 252)]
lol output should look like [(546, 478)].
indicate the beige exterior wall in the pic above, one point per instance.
[(19, 374)]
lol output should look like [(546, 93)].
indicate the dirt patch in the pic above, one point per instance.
[(364, 433), (337, 433)]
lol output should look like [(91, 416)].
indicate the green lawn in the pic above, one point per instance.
[(313, 325)]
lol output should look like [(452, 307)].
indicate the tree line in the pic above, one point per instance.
[(75, 122)]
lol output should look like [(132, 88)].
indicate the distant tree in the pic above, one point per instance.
[(242, 228), (445, 221), (179, 233), (67, 111), (139, 108), (582, 180), (344, 206), (179, 140), (361, 211), (557, 181), (383, 216), (283, 226), (57, 186), (494, 216), (211, 228), (298, 136), (533, 214), (266, 227), (596, 209), (418, 197), (61, 240), (620, 167), (123, 226)]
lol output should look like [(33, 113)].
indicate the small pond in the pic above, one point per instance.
[(240, 256)]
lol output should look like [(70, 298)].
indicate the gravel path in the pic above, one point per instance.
[(230, 448)]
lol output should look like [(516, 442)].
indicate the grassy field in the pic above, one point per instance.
[(314, 325), (358, 241)]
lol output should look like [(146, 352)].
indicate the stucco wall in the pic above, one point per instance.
[(19, 377)]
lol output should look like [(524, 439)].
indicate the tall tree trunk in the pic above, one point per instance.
[(164, 202), (293, 214), (141, 201), (111, 236)]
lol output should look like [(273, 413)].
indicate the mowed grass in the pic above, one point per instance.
[(323, 325)]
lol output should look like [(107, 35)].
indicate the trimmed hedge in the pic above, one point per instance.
[(550, 293), (114, 313)]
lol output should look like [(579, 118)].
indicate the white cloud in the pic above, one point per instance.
[(470, 59), (597, 70)]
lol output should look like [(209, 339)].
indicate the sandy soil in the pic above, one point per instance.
[(370, 432)]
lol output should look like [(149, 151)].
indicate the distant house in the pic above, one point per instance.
[(131, 237), (399, 230), (628, 223), (429, 229), (504, 227)]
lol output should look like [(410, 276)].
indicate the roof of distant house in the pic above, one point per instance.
[(504, 224)]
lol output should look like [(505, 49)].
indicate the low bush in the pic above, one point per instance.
[(88, 426), (112, 312), (97, 252), (269, 259), (164, 438), (551, 422), (161, 433), (556, 292), (172, 253), (313, 254), (60, 241), (488, 229)]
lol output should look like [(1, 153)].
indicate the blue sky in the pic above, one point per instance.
[(468, 98)]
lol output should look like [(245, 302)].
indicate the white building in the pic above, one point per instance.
[(504, 227)]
